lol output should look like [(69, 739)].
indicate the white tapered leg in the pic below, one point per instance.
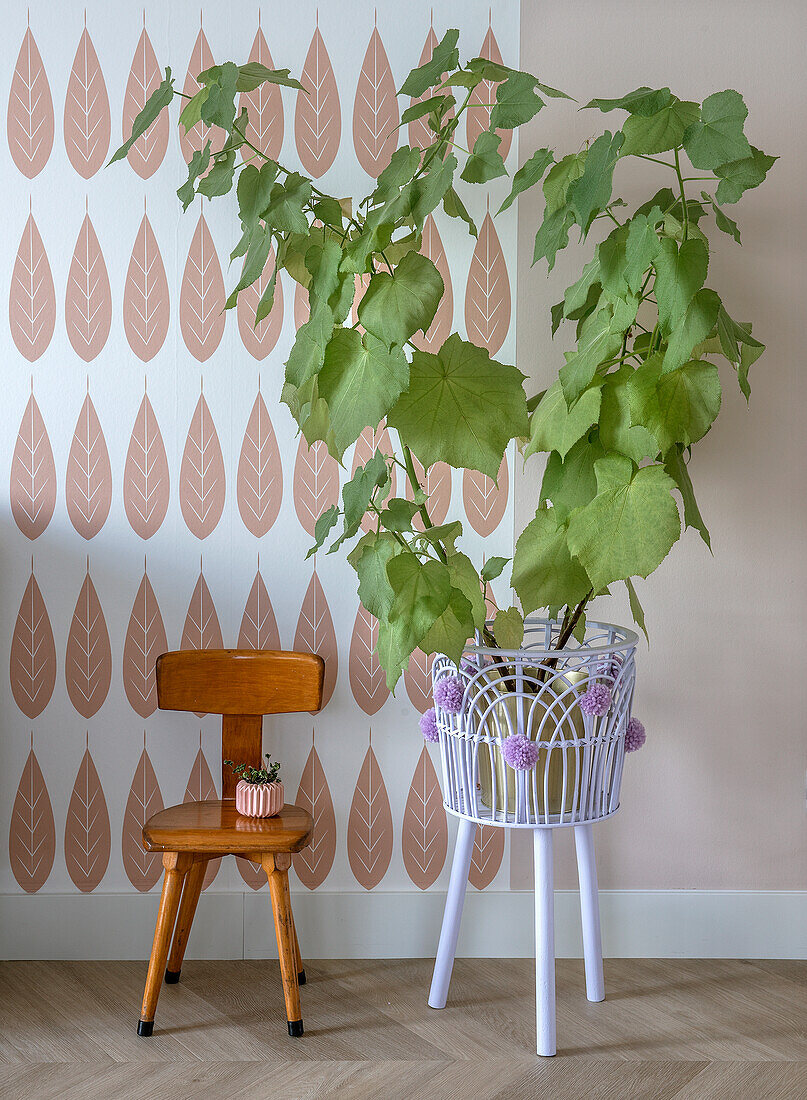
[(544, 942), (589, 911), (450, 930)]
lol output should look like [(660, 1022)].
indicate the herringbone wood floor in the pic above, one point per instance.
[(693, 1030)]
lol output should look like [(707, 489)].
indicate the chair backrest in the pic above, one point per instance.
[(241, 685)]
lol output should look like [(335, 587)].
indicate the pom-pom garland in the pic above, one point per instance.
[(448, 694), (519, 752), (635, 735), (597, 701), (428, 726)]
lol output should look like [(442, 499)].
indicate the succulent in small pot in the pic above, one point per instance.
[(259, 792)]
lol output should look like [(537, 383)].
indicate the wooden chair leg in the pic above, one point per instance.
[(276, 865), (298, 959), (187, 908), (176, 865)]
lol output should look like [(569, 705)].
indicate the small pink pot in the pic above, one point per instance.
[(258, 799)]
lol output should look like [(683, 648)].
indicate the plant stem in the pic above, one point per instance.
[(683, 194), (422, 509), (569, 623)]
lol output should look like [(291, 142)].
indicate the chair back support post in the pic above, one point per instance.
[(241, 742)]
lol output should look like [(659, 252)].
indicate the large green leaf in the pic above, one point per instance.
[(616, 431), (454, 207), (589, 194), (717, 137), (516, 102), (629, 527), (508, 628), (219, 180), (357, 494), (676, 467), (395, 307), (444, 59), (198, 166), (153, 107), (462, 407), (696, 324), (642, 101), (361, 379), (642, 247), (552, 235), (600, 339), (678, 407), (253, 74), (485, 162), (254, 191), (369, 558), (255, 262), (570, 482), (421, 590), (528, 175), (661, 131), (286, 203), (544, 572), (452, 629), (741, 175), (218, 108), (680, 273), (556, 427), (560, 177)]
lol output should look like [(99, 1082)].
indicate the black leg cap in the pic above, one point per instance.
[(145, 1027), (172, 977), (295, 1028), (301, 978)]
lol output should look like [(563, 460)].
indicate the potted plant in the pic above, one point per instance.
[(637, 391), (259, 792)]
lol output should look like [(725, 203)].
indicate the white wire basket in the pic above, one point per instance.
[(536, 692)]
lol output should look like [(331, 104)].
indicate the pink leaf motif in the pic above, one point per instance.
[(30, 111), (441, 326), (32, 834), (368, 442), (487, 295), (258, 624), (200, 788), (259, 483), (87, 838), (368, 680), (420, 136), (375, 110), (369, 826), (143, 869), (424, 828), (88, 302), (485, 503), (197, 138), (302, 309), (146, 155), (146, 482), (362, 282), (436, 481), (33, 474), (316, 483), (315, 634), (32, 666), (418, 680), (89, 474), (146, 307), (487, 855), (201, 475), (201, 629), (145, 641), (88, 658), (201, 297), (252, 873), (32, 298), (86, 111), (260, 339), (318, 118), (314, 863), (483, 96), (264, 107)]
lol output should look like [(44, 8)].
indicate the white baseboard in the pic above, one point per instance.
[(635, 924)]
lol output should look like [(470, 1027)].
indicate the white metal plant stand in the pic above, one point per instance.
[(573, 705)]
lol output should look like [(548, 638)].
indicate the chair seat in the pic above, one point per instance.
[(216, 826)]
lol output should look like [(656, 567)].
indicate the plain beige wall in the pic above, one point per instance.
[(717, 797)]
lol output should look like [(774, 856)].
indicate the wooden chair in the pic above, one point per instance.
[(241, 686)]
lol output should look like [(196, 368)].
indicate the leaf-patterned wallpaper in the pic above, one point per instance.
[(156, 494)]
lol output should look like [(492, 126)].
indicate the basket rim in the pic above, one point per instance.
[(629, 641)]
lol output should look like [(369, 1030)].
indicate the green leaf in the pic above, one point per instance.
[(641, 248), (219, 180), (600, 340), (560, 177), (576, 297), (462, 407), (465, 577), (722, 220), (661, 131), (395, 307), (717, 137), (493, 568), (218, 109), (328, 519), (544, 572), (642, 101), (192, 111), (556, 427), (398, 515), (516, 102), (254, 191), (698, 321), (257, 255), (361, 379), (680, 273), (329, 211), (425, 107), (629, 527), (635, 607), (616, 431), (308, 351), (152, 108), (424, 194), (742, 175), (446, 534), (732, 335), (676, 467), (748, 356), (677, 407), (286, 202), (253, 74), (485, 162), (356, 496), (553, 93), (403, 164), (552, 236), (421, 590), (592, 191), (570, 482), (452, 629), (455, 208), (444, 59), (267, 299), (197, 167), (508, 628), (528, 175), (369, 558)]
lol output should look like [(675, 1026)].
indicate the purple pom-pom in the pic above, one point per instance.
[(609, 666), (468, 667), (519, 752), (597, 701), (635, 735), (448, 694), (428, 726)]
